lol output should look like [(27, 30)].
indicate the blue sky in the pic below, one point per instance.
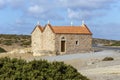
[(21, 16)]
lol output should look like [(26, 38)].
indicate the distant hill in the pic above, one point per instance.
[(10, 42), (105, 42)]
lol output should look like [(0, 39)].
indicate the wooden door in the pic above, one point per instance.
[(62, 46)]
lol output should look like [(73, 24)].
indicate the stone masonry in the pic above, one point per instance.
[(84, 43), (49, 40)]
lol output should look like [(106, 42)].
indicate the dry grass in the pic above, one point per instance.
[(25, 56)]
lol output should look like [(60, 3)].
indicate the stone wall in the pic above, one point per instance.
[(43, 41), (36, 41), (48, 39), (84, 43)]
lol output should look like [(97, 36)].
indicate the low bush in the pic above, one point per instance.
[(2, 50), (116, 43), (25, 43), (20, 40), (8, 42), (108, 59), (17, 69)]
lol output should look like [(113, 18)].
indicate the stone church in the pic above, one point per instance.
[(61, 39)]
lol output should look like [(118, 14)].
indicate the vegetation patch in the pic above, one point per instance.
[(17, 69), (2, 50), (108, 59), (25, 43), (117, 43), (20, 40), (8, 42)]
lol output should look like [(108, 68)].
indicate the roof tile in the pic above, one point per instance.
[(71, 29), (68, 29)]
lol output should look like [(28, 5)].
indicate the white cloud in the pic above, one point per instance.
[(12, 3), (87, 4), (72, 14), (76, 9), (36, 9), (83, 14), (2, 3), (17, 3), (87, 9)]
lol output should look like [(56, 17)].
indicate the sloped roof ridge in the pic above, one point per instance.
[(84, 25), (39, 26), (83, 29), (49, 26)]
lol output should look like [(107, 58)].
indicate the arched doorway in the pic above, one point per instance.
[(63, 44)]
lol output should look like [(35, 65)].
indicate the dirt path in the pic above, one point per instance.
[(103, 73)]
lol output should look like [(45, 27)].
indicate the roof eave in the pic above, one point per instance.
[(38, 27), (76, 33), (49, 27)]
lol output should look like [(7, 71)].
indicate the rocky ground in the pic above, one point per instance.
[(88, 64)]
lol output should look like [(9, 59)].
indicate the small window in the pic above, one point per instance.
[(77, 42), (62, 38)]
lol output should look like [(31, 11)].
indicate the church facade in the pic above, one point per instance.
[(61, 39)]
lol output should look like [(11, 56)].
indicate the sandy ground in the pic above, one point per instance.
[(91, 64), (25, 56), (88, 64)]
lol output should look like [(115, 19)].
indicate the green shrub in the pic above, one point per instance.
[(108, 59), (17, 69), (2, 50), (23, 40), (25, 43), (117, 43), (8, 42)]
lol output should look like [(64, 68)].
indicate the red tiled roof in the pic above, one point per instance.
[(40, 28), (68, 29)]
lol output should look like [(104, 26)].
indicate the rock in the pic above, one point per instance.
[(21, 51)]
